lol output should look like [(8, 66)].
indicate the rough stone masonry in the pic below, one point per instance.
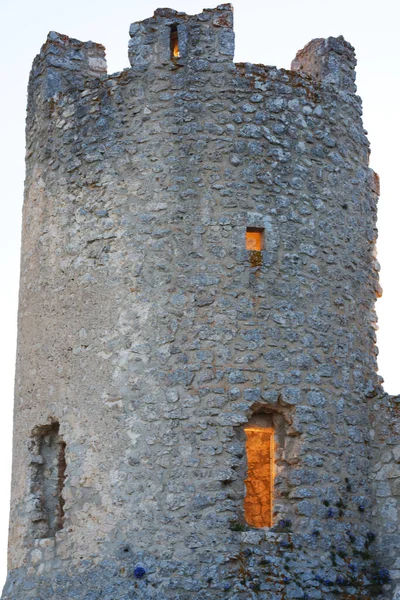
[(149, 336)]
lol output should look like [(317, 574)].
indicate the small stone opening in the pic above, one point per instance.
[(174, 42), (254, 239), (48, 466), (260, 451), (271, 447)]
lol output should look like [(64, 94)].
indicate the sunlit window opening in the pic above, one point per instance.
[(174, 42), (254, 238), (260, 476)]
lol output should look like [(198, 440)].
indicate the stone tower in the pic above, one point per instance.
[(197, 413)]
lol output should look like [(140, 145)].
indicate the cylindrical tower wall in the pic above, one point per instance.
[(149, 335)]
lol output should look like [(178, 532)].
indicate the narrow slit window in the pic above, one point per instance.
[(174, 41), (254, 239), (258, 503)]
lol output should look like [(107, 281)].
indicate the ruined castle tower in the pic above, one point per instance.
[(197, 413)]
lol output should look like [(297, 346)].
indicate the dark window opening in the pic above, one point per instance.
[(48, 468), (174, 42)]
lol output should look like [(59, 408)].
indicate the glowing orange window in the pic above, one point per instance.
[(258, 502), (174, 42), (254, 238)]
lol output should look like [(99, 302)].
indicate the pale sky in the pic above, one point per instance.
[(268, 32)]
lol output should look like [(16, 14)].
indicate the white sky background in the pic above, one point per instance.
[(268, 32)]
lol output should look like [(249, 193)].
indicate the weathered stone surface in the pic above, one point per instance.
[(152, 336)]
